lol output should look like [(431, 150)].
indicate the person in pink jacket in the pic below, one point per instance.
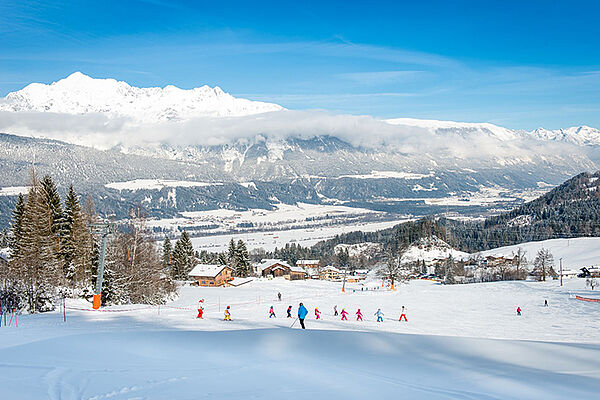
[(344, 315), (317, 313), (359, 315)]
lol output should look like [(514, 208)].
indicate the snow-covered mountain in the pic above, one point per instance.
[(579, 135), (81, 94)]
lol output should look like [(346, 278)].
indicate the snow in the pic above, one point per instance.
[(156, 184), (269, 240), (209, 270), (429, 249), (14, 190), (389, 174), (575, 253), (460, 342), (81, 94)]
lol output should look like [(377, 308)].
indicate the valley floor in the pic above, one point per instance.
[(460, 342)]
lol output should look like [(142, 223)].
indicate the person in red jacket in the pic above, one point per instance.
[(359, 315), (344, 315), (200, 312), (317, 313), (519, 311)]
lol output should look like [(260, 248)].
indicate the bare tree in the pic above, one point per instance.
[(520, 263), (591, 282), (392, 269), (543, 264)]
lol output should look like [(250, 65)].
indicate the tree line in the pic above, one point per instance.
[(54, 254)]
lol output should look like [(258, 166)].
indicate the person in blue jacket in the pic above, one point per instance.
[(302, 313)]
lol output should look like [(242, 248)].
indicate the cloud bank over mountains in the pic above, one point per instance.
[(104, 113)]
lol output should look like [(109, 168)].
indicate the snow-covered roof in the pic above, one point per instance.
[(208, 270), (331, 268), (270, 262), (298, 269), (307, 262)]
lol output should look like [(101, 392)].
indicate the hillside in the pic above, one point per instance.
[(567, 211)]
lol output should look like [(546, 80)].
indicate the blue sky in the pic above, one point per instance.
[(520, 64)]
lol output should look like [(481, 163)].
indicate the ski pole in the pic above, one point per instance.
[(294, 323)]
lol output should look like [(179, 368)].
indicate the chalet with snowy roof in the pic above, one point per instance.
[(210, 275), (278, 268), (331, 273)]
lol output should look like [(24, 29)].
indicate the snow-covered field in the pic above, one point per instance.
[(270, 240), (575, 253), (460, 342)]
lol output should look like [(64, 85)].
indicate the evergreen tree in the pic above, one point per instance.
[(183, 259), (167, 253), (449, 266), (242, 266), (17, 227), (232, 255)]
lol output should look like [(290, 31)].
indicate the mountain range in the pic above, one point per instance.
[(222, 151)]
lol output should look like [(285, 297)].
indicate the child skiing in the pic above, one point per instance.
[(200, 312), (335, 313), (227, 314), (359, 315), (289, 312), (379, 314), (272, 313), (519, 311), (403, 315), (279, 296), (317, 313), (344, 315)]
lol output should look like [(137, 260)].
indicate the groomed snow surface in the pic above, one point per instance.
[(460, 342)]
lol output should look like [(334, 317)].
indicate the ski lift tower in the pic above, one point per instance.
[(103, 229)]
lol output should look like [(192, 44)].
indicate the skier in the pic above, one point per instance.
[(272, 313), (403, 315), (289, 312), (279, 296), (545, 303), (335, 313), (519, 311), (200, 312), (227, 314), (359, 315), (344, 315), (379, 314), (317, 313), (302, 312)]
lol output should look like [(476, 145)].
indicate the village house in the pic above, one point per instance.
[(306, 264), (278, 268), (210, 275), (330, 273)]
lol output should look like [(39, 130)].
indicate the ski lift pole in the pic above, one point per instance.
[(103, 229)]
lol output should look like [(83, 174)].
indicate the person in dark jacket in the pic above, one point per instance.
[(302, 313), (289, 311)]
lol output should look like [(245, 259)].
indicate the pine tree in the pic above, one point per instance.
[(17, 227), (242, 258), (183, 259), (167, 253), (232, 255)]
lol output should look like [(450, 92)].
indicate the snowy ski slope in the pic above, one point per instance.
[(460, 342)]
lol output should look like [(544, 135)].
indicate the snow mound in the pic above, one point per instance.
[(429, 249)]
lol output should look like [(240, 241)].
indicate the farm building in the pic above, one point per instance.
[(211, 274)]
